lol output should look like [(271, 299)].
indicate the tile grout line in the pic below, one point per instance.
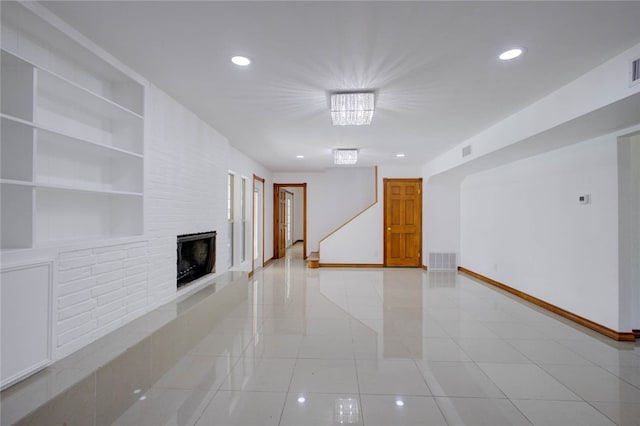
[(355, 365), (494, 383), (293, 372), (435, 401), (604, 414)]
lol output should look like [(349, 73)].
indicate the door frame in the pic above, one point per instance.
[(276, 188), (256, 179), (384, 215)]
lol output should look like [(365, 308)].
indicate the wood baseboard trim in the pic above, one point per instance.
[(267, 262), (351, 265), (606, 331), (425, 267), (313, 260)]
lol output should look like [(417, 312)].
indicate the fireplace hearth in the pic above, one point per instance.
[(196, 256)]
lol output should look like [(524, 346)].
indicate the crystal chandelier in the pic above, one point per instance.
[(345, 156), (352, 109)]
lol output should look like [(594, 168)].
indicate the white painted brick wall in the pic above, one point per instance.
[(91, 296), (186, 163)]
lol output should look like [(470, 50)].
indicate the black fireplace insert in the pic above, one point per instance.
[(196, 256)]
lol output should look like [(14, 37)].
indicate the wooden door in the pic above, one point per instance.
[(403, 222), (281, 223)]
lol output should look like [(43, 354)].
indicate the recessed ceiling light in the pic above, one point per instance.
[(400, 403), (400, 155), (242, 61), (302, 399), (299, 156), (511, 54)]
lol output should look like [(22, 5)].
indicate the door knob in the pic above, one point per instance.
[(389, 229)]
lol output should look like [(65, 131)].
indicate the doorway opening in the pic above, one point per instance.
[(257, 245), (289, 217)]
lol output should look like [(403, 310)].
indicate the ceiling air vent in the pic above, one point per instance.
[(635, 71), (466, 150)]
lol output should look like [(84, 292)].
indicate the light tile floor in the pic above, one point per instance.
[(392, 347)]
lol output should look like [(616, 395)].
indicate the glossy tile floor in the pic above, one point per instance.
[(391, 347)]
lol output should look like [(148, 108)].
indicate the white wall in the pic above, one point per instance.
[(521, 224), (333, 197), (575, 257), (245, 167), (362, 240)]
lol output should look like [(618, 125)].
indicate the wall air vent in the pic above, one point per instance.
[(466, 150), (635, 72), (442, 261)]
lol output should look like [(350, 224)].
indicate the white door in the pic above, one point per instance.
[(258, 232), (289, 218)]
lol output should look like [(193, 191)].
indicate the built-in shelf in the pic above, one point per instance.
[(17, 214), (32, 37), (69, 162), (62, 215), (18, 86), (72, 145), (70, 110), (65, 89), (16, 182), (11, 119), (68, 187), (94, 190)]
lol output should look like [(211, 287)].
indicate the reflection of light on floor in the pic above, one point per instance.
[(293, 252), (441, 279), (287, 278), (347, 411), (256, 324)]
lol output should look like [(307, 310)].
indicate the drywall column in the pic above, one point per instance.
[(629, 230), (441, 219)]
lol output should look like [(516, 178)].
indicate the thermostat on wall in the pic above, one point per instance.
[(584, 199)]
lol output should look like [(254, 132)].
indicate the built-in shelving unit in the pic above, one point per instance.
[(72, 147)]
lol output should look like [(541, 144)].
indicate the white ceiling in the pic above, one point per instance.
[(433, 66)]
